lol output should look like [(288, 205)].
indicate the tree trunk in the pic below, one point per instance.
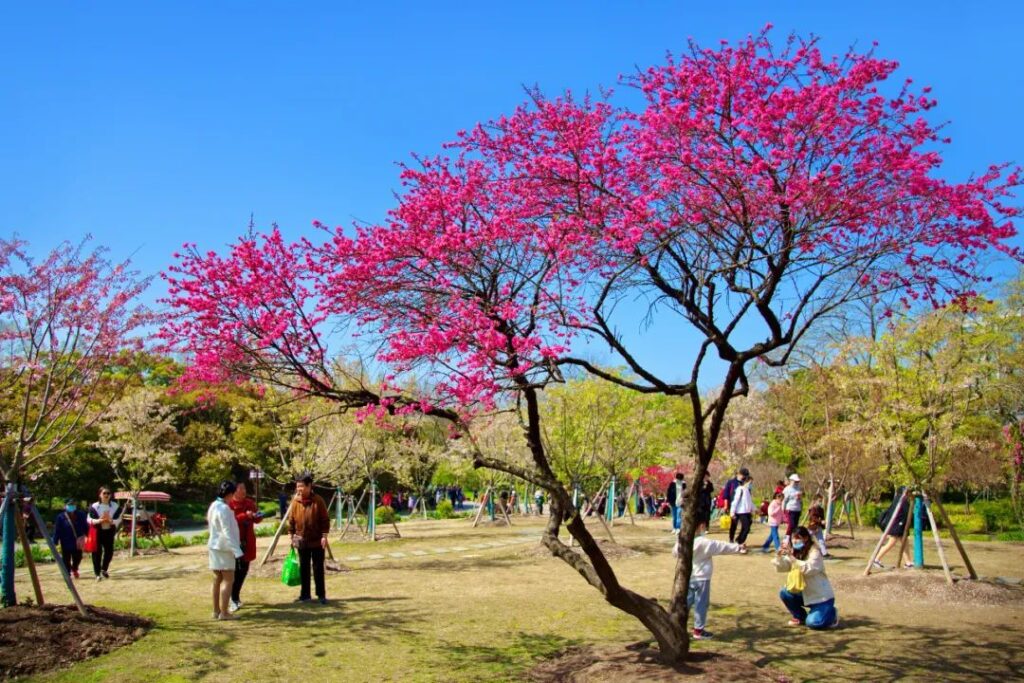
[(8, 597)]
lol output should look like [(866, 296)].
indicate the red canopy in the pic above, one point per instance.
[(145, 496)]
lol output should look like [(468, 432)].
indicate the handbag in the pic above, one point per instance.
[(79, 540), (724, 521), (795, 581), (92, 543), (290, 569)]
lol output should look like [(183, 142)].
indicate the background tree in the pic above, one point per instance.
[(139, 438), (65, 321)]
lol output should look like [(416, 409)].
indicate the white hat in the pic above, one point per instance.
[(794, 477)]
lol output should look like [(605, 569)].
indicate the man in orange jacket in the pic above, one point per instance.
[(309, 524)]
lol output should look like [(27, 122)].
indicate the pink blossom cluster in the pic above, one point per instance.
[(791, 181)]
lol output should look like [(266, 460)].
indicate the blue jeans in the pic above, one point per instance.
[(677, 517), (773, 537), (698, 597), (821, 616)]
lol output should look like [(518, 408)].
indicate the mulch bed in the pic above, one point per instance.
[(37, 639), (586, 664), (910, 586)]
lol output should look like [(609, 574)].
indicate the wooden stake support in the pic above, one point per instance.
[(354, 509), (956, 538), (906, 534), (59, 561), (888, 528), (938, 541), (30, 562), (277, 534)]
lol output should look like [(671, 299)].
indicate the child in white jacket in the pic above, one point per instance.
[(699, 594)]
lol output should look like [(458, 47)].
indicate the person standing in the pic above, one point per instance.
[(282, 504), (224, 549), (247, 517), (105, 516), (776, 515), (742, 509), (69, 531), (705, 499), (698, 595), (895, 533), (793, 503), (816, 523), (676, 496), (309, 524), (538, 498), (728, 493)]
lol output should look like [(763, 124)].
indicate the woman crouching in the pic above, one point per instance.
[(807, 586)]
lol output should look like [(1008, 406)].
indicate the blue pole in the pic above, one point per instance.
[(918, 534), (10, 508)]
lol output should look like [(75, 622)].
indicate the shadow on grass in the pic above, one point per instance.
[(355, 617), (881, 652), (511, 653)]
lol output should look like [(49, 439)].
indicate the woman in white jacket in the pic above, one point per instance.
[(817, 595), (224, 547)]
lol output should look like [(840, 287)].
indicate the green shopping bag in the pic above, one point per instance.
[(290, 569)]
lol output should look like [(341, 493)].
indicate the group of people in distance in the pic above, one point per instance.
[(232, 518), (72, 526), (808, 594)]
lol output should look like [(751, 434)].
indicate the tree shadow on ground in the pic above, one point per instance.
[(510, 652), (880, 652), (357, 617)]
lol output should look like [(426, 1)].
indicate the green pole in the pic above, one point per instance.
[(490, 503), (609, 503), (918, 534), (371, 522), (10, 508), (337, 510)]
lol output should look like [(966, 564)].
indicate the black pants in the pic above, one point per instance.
[(72, 556), (733, 521), (744, 522), (102, 555), (316, 556), (241, 571)]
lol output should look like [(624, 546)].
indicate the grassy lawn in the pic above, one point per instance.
[(488, 613)]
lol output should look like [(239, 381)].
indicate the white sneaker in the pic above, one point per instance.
[(233, 606)]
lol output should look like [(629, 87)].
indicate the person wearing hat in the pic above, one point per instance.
[(69, 531), (793, 503)]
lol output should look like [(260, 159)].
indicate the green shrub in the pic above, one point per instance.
[(40, 554), (264, 530), (200, 538), (871, 513), (385, 515), (445, 510), (997, 515)]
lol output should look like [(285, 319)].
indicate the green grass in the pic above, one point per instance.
[(488, 614)]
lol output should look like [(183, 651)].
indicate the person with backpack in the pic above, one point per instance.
[(894, 534), (816, 523)]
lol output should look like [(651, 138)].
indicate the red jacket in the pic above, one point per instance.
[(246, 525)]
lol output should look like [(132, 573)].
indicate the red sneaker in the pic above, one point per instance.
[(794, 622), (701, 634), (74, 573)]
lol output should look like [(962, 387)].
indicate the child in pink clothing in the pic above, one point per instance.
[(776, 515)]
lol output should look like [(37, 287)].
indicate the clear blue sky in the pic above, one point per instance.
[(151, 124)]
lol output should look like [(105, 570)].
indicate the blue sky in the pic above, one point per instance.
[(151, 124)]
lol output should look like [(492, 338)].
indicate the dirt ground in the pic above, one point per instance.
[(448, 601), (34, 639)]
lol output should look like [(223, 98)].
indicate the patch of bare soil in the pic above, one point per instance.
[(613, 551), (37, 639), (926, 586), (587, 664), (272, 569)]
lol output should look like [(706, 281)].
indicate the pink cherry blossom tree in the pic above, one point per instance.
[(756, 191), (66, 323)]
